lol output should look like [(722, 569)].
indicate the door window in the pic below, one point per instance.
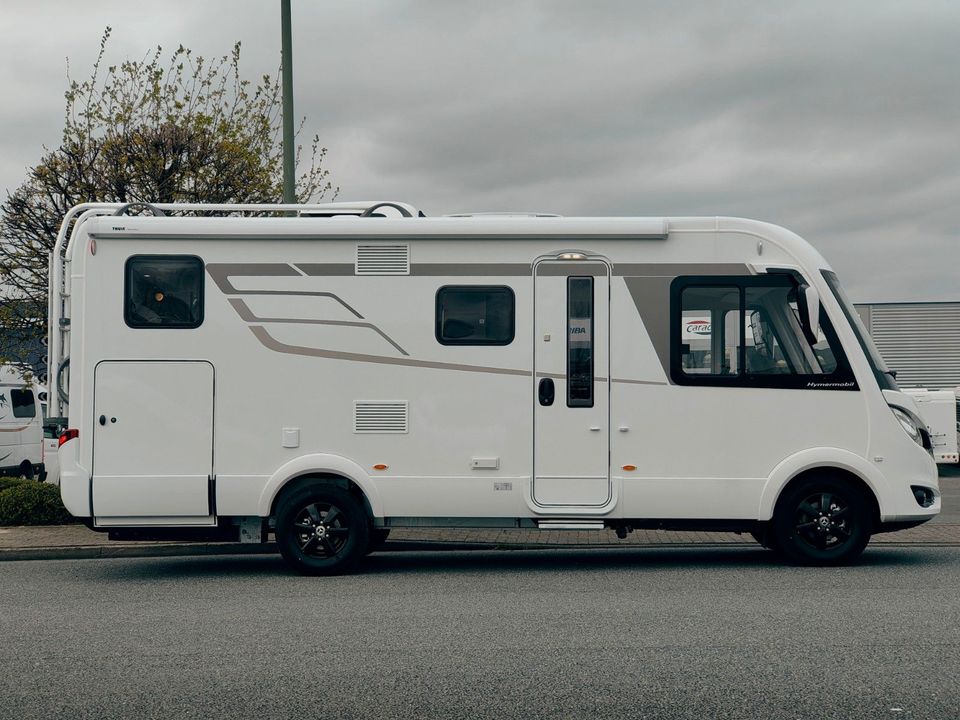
[(580, 342)]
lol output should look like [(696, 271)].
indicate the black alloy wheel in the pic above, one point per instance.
[(822, 521), (321, 529)]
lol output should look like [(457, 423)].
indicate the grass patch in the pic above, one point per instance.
[(28, 502)]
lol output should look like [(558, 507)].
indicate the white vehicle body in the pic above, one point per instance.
[(939, 410), (337, 320), (21, 430)]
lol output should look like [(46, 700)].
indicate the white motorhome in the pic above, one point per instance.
[(940, 410), (21, 429), (339, 373)]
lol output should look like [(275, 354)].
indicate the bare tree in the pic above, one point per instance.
[(186, 129)]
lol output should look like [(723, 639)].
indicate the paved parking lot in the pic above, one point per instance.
[(639, 633)]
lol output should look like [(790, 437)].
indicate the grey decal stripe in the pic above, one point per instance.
[(221, 273), (273, 344), (471, 269), (672, 270), (300, 294), (246, 314), (326, 269), (651, 296), (639, 382)]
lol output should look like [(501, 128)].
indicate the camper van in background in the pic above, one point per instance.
[(504, 370), (940, 410), (21, 428)]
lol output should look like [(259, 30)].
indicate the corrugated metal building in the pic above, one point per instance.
[(920, 341)]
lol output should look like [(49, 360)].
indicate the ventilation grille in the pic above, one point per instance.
[(380, 416), (383, 260)]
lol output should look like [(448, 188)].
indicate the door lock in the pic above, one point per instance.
[(103, 419), (546, 391)]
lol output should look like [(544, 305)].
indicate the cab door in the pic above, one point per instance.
[(571, 445), (153, 443)]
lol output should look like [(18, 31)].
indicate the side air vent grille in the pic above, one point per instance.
[(380, 416), (383, 260)]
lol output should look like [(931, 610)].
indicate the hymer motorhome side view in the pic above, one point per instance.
[(330, 372)]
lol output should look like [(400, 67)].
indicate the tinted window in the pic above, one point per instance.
[(746, 332), (880, 370), (475, 315), (710, 331), (164, 291), (579, 342), (24, 405)]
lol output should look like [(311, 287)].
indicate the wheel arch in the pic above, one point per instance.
[(315, 467), (820, 461)]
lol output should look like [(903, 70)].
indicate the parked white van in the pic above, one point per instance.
[(21, 430), (337, 374)]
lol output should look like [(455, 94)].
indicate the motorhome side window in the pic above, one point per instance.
[(747, 332), (475, 315), (163, 291), (24, 405)]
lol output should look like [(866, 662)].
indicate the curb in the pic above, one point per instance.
[(94, 552)]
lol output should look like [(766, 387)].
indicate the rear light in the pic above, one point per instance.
[(67, 435)]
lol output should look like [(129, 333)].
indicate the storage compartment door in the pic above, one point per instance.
[(153, 442)]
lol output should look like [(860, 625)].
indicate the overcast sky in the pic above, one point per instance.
[(839, 119)]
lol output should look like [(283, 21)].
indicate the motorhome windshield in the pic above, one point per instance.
[(880, 370)]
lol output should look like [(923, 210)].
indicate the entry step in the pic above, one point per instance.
[(570, 524)]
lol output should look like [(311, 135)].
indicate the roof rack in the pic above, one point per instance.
[(59, 292), (503, 214)]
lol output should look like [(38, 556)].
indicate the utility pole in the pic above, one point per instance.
[(286, 63)]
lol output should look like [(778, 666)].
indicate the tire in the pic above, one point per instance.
[(26, 471), (321, 529), (822, 521), (378, 536)]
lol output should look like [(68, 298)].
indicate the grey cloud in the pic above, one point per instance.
[(837, 120)]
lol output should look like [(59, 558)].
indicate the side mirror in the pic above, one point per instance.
[(808, 302)]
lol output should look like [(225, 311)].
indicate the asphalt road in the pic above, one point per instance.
[(724, 633)]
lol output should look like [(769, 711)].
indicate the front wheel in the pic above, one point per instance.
[(321, 529), (822, 521)]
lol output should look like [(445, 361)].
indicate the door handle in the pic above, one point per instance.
[(594, 428), (546, 391)]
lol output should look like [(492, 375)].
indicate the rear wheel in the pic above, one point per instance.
[(26, 470), (822, 521), (321, 529)]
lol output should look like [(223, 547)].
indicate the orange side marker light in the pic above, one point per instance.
[(629, 468), (379, 466)]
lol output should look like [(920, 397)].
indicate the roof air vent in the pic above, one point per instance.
[(383, 260)]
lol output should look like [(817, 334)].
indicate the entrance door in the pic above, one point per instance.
[(153, 442), (571, 444)]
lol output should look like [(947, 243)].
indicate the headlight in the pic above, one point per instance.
[(908, 424)]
